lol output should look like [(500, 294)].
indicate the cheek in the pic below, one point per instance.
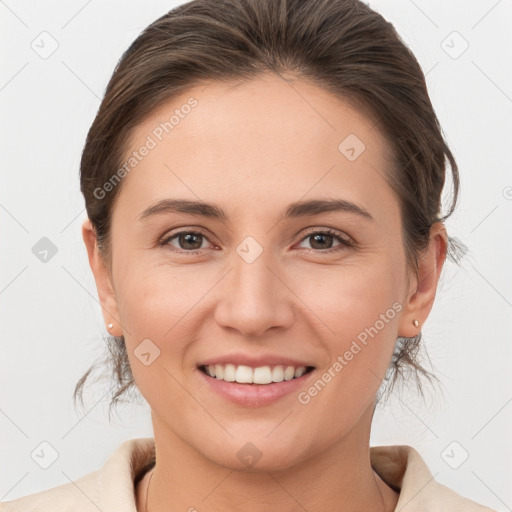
[(358, 309), (162, 303), (156, 306), (351, 297), (152, 292)]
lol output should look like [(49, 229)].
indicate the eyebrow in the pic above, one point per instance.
[(293, 210)]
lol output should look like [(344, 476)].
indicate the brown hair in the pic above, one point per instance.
[(342, 46)]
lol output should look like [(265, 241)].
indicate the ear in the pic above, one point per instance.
[(422, 291), (102, 277)]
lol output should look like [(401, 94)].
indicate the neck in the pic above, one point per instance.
[(340, 478)]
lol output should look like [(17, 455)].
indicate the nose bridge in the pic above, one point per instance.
[(251, 273)]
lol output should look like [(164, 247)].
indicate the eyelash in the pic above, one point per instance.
[(335, 234)]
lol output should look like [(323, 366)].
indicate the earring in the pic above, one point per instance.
[(110, 325), (416, 323)]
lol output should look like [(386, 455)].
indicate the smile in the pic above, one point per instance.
[(243, 374)]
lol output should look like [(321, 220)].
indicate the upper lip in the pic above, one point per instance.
[(254, 361)]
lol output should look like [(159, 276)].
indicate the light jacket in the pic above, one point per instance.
[(111, 488)]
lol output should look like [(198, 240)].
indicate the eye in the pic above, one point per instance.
[(188, 241), (191, 242), (323, 240)]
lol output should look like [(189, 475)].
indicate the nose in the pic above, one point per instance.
[(254, 297)]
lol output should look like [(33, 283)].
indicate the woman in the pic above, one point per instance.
[(263, 188)]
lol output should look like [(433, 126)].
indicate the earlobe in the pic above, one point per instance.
[(421, 299), (102, 278)]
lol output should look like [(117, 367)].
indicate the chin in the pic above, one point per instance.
[(255, 453)]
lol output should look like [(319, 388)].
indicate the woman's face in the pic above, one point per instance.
[(268, 283)]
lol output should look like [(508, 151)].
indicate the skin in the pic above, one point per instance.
[(252, 149)]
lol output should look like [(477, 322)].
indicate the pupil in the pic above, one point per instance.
[(318, 237), (189, 239)]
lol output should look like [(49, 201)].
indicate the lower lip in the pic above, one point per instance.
[(255, 395)]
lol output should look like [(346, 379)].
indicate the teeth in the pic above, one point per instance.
[(300, 371), (260, 375), (277, 374), (243, 374), (219, 371), (229, 373), (289, 373)]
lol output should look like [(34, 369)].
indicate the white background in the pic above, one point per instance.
[(51, 324)]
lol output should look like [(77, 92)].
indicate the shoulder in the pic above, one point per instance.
[(110, 488), (80, 495), (403, 468)]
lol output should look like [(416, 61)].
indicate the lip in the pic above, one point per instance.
[(255, 395), (254, 361)]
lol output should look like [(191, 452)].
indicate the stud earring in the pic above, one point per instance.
[(110, 325), (416, 323)]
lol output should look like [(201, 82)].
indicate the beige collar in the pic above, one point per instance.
[(400, 466)]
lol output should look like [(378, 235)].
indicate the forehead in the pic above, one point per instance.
[(267, 139)]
